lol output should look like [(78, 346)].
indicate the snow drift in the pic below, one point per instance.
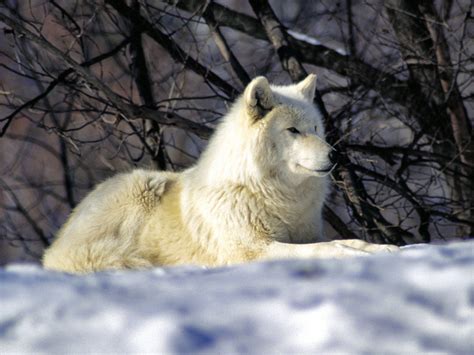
[(421, 299)]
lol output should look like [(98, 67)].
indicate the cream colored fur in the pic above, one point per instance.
[(259, 186)]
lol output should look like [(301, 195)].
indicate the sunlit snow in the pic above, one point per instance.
[(418, 300), (311, 40)]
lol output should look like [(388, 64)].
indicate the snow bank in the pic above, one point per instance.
[(418, 300), (311, 40)]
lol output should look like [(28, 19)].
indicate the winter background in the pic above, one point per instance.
[(56, 149), (416, 301)]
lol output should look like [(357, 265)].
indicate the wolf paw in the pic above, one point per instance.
[(370, 248), (387, 248)]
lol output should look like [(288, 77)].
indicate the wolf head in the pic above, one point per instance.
[(288, 127), (271, 132)]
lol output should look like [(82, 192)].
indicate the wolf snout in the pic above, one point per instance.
[(332, 161)]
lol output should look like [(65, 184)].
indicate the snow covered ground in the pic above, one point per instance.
[(419, 300)]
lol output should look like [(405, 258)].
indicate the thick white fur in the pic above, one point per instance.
[(257, 188)]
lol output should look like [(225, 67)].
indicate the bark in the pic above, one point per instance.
[(279, 39), (142, 79), (460, 124), (426, 54), (223, 46)]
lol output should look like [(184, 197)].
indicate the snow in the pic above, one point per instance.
[(418, 300), (313, 41)]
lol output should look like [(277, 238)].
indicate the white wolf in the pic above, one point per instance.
[(257, 190)]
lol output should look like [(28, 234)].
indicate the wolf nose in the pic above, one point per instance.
[(334, 157)]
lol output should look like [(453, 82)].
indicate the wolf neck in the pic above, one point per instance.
[(227, 161)]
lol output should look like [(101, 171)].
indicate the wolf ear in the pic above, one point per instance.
[(258, 98), (308, 87)]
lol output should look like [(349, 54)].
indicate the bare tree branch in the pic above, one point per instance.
[(279, 39), (128, 110), (461, 126), (359, 72), (338, 224), (172, 47), (142, 80), (221, 43), (425, 51), (25, 213)]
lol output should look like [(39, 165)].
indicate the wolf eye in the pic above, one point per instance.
[(316, 129), (293, 130)]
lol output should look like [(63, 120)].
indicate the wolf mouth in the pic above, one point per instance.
[(327, 170), (324, 170)]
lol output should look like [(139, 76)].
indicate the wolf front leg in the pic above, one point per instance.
[(333, 249)]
